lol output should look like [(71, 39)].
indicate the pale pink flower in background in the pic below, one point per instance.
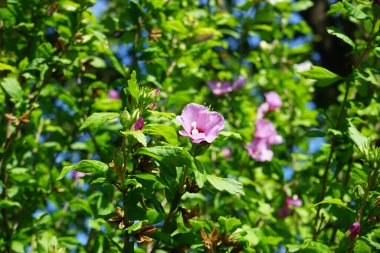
[(293, 201), (259, 150), (262, 110), (239, 83), (272, 103), (200, 124), (265, 130), (354, 230), (222, 87), (273, 100), (226, 153), (265, 135), (139, 124), (285, 210), (113, 94)]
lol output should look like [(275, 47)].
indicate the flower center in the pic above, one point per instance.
[(194, 126), (218, 84)]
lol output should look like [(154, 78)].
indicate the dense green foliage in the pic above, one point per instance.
[(99, 95)]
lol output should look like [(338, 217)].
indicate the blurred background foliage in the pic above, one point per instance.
[(60, 59)]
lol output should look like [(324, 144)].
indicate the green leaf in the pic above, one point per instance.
[(136, 226), (177, 156), (340, 35), (157, 114), (309, 246), (362, 142), (138, 135), (98, 118), (4, 66), (168, 132), (226, 184), (99, 180), (324, 76), (229, 224), (334, 132), (6, 203), (70, 5), (82, 204), (132, 182), (225, 135), (302, 5), (12, 88), (354, 11), (133, 87), (337, 202), (200, 174), (337, 8), (86, 166)]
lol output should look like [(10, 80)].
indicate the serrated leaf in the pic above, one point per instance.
[(325, 77), (138, 135), (354, 11), (340, 35), (230, 224), (169, 134), (226, 184), (133, 87), (337, 8), (98, 118), (177, 156), (86, 166)]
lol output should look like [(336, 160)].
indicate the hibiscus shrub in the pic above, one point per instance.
[(189, 126)]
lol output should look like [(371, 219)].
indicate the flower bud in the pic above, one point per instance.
[(135, 115), (139, 124), (354, 230), (125, 119)]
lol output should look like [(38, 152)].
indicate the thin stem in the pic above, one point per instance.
[(371, 177), (127, 247), (173, 207), (328, 164)]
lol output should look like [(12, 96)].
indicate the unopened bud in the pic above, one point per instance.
[(135, 115), (125, 119), (354, 230), (139, 124)]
